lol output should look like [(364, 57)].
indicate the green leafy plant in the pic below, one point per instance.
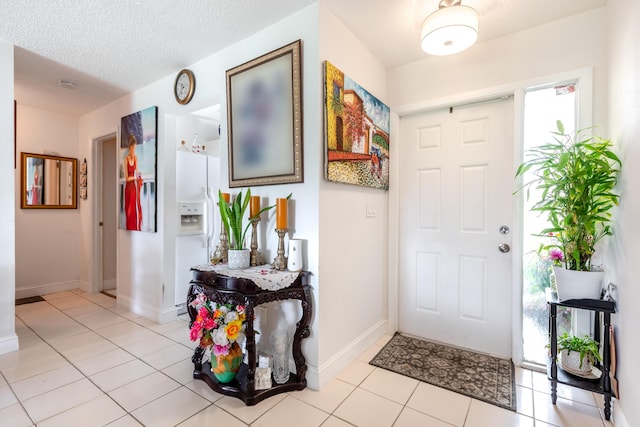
[(576, 174), (232, 214), (586, 346)]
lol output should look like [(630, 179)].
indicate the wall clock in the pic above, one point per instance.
[(184, 86)]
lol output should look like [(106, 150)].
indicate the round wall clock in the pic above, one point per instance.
[(184, 86)]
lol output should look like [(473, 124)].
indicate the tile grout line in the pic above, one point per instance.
[(152, 367), (180, 385), (85, 375), (17, 398), (74, 366)]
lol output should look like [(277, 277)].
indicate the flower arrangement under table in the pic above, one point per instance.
[(219, 327), (221, 304)]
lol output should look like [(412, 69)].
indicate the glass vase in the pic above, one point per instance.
[(281, 348)]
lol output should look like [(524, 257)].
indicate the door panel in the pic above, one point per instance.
[(456, 183)]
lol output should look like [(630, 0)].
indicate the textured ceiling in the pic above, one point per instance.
[(113, 47)]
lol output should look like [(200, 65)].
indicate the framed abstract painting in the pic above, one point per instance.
[(264, 114)]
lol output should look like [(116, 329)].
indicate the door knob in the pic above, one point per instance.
[(100, 223), (504, 248)]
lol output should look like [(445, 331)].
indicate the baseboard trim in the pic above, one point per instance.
[(161, 316), (618, 418), (84, 286), (45, 289), (9, 344), (318, 377)]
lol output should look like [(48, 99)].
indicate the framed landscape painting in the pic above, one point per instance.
[(356, 131), (138, 171)]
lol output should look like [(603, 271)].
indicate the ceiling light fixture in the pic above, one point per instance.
[(67, 84), (450, 29)]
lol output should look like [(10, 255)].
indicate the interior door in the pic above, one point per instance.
[(109, 213), (456, 185)]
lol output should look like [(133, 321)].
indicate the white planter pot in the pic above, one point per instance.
[(239, 259), (570, 362), (578, 284)]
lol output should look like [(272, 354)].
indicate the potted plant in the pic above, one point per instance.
[(576, 175), (232, 214), (578, 355)]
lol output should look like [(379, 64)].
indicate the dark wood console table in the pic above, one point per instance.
[(601, 385), (226, 289)]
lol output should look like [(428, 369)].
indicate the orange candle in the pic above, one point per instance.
[(281, 214), (226, 197), (255, 206)]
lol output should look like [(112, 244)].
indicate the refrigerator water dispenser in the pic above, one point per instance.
[(192, 219)]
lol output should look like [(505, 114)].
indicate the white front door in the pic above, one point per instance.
[(456, 184)]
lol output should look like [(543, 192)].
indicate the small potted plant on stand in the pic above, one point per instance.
[(576, 175), (578, 355)]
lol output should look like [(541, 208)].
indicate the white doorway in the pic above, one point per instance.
[(456, 183), (106, 214)]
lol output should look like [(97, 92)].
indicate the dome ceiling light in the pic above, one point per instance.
[(450, 29)]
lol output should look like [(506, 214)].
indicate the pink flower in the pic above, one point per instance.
[(195, 332), (220, 350), (556, 255), (200, 300), (208, 323)]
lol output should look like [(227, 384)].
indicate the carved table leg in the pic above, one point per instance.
[(302, 331), (250, 346), (197, 358)]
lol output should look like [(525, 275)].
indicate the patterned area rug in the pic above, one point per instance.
[(476, 375)]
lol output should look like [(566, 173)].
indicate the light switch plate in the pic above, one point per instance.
[(371, 210)]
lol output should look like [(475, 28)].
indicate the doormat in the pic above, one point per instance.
[(29, 300), (476, 375)]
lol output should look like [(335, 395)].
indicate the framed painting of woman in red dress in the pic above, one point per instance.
[(138, 171)]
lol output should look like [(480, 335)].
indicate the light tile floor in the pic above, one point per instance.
[(84, 361)]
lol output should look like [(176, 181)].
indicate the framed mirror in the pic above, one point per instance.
[(48, 182)]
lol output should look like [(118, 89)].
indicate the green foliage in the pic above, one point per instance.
[(232, 214), (576, 175), (379, 140), (586, 346)]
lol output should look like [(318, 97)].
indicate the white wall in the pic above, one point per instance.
[(606, 39), (624, 130), (8, 337), (145, 285), (353, 248), (48, 239), (556, 47)]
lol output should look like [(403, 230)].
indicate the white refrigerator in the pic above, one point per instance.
[(197, 184)]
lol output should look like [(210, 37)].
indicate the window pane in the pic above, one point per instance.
[(542, 108)]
